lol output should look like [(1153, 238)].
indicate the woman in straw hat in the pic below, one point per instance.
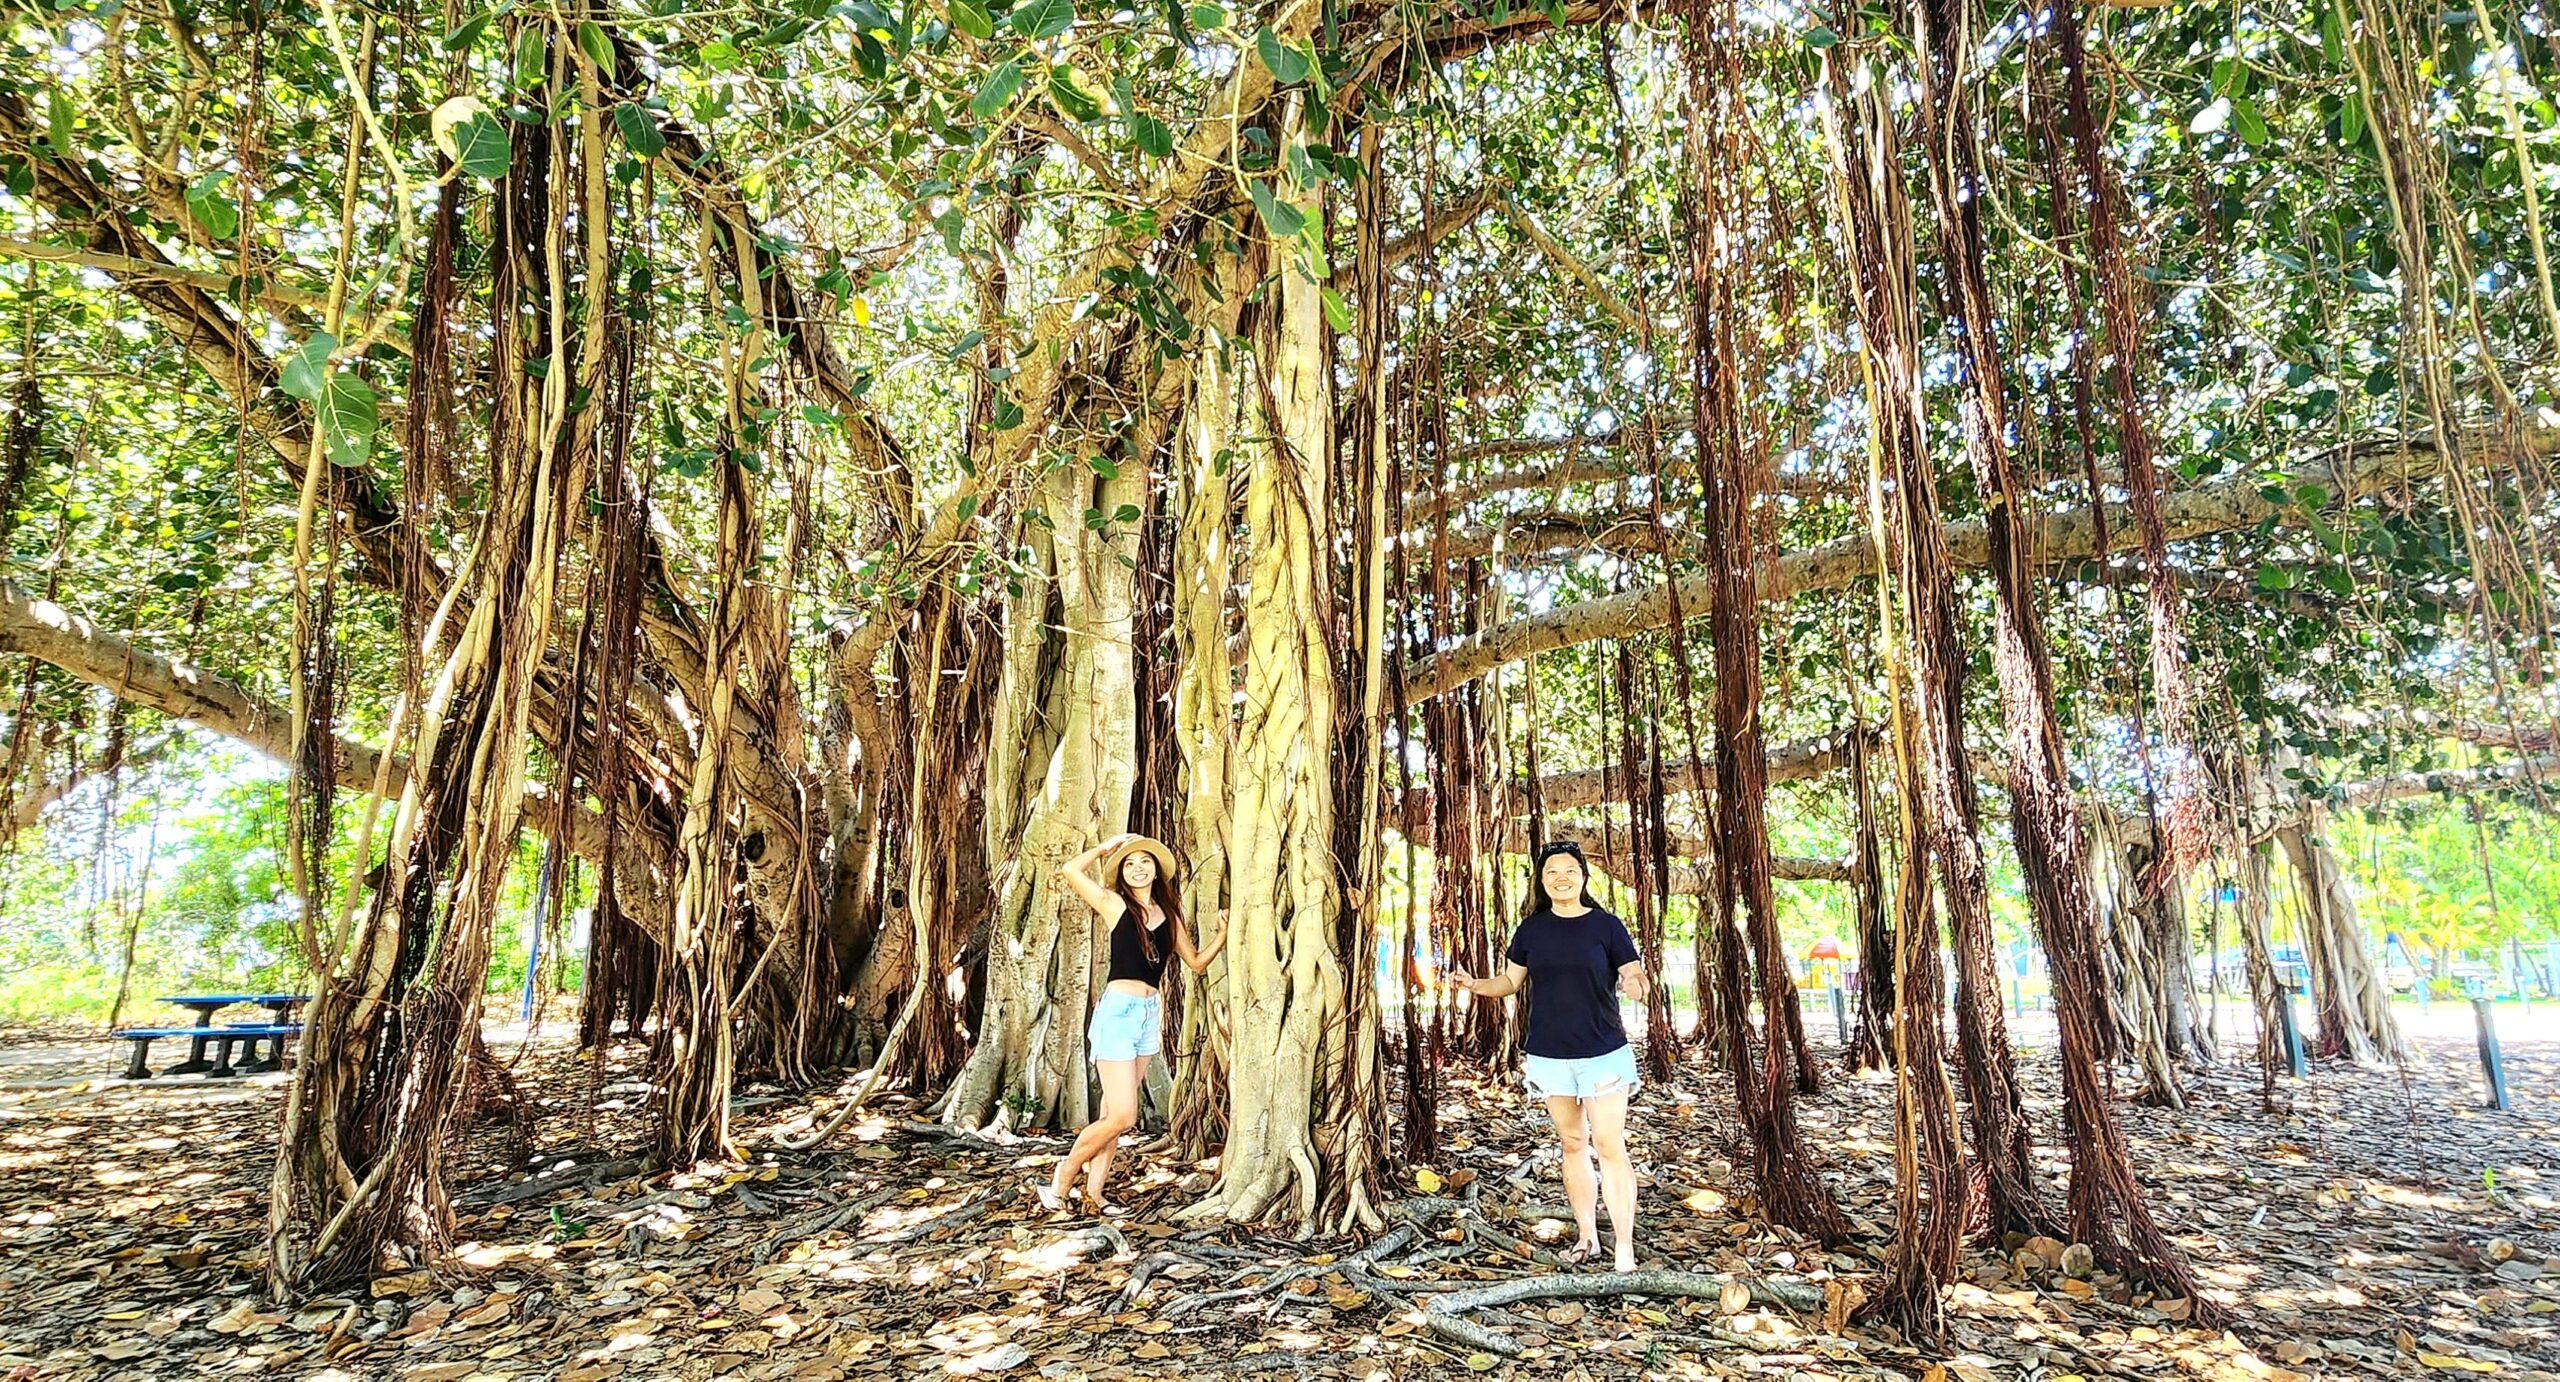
[(1139, 904)]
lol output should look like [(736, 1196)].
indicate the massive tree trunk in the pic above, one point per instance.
[(392, 1038), (2107, 1208), (1286, 1157), (1061, 761), (1204, 721)]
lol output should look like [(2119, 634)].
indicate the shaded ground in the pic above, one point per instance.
[(2385, 1227)]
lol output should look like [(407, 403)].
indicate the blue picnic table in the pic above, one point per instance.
[(224, 1039)]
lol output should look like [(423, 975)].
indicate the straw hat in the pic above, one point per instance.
[(1141, 845)]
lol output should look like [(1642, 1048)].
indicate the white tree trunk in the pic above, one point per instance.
[(1059, 776)]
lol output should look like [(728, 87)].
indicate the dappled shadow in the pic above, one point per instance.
[(2382, 1227)]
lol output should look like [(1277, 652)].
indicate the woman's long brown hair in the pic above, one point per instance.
[(1164, 892)]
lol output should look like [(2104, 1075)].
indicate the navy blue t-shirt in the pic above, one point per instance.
[(1573, 974)]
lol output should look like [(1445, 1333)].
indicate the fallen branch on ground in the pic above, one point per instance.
[(1443, 1313), (589, 1175)]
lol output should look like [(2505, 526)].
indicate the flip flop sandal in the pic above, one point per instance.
[(1580, 1254)]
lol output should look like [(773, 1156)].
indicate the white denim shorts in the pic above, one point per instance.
[(1591, 1077)]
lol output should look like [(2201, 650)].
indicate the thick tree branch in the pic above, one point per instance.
[(1559, 791), (29, 809), (51, 634), (2356, 471), (191, 695), (1572, 267), (1440, 225), (2382, 791)]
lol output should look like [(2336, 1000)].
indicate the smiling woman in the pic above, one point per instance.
[(1143, 908), (1576, 960)]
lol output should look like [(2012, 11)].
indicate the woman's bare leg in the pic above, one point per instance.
[(1579, 1190), (1100, 1135), (1607, 1115), (1121, 1081)]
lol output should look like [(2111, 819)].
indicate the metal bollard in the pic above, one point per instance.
[(2295, 1058), (2491, 1064), (1840, 1014)]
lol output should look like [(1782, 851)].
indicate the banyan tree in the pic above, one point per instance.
[(815, 468)]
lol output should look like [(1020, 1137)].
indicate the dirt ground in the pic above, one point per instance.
[(2385, 1226)]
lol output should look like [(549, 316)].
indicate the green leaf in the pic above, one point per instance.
[(2251, 125), (57, 124), (968, 507), (1278, 217), (1039, 19), (533, 59), (216, 212), (598, 48), (970, 18), (1337, 311), (1820, 36), (347, 419), (466, 33), (1152, 136), (639, 130), (470, 136), (1208, 17), (1068, 93), (1002, 81), (1103, 467), (481, 147), (2350, 121), (1126, 513), (1008, 414), (306, 370), (1287, 65)]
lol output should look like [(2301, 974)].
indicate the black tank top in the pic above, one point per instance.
[(1129, 957)]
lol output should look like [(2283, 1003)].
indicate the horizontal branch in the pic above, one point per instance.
[(1441, 224), (191, 695), (27, 810), (1691, 858), (51, 634), (1559, 791), (2382, 791), (1790, 762), (2360, 469), (221, 284)]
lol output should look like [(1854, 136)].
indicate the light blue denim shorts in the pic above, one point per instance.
[(1126, 1026), (1588, 1078)]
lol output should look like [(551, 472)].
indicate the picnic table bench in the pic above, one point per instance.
[(224, 1040)]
